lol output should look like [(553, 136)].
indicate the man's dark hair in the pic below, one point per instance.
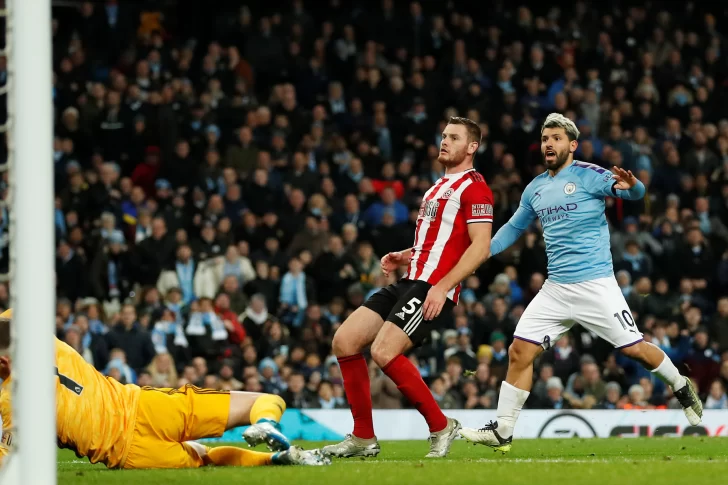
[(4, 334), (474, 134)]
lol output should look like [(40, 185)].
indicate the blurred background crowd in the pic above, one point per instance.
[(227, 179)]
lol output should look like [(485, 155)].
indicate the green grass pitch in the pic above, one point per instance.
[(626, 461)]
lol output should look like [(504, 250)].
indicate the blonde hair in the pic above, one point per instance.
[(160, 379), (557, 120)]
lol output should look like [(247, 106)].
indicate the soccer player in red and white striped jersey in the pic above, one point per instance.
[(451, 240), (443, 233)]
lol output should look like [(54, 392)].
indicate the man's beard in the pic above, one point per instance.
[(451, 159), (561, 159)]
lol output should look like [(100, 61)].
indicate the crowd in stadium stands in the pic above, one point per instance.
[(227, 179)]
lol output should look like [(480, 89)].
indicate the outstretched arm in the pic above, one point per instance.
[(512, 230), (619, 183), (626, 185)]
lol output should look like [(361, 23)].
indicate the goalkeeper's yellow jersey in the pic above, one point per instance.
[(94, 414), (6, 419)]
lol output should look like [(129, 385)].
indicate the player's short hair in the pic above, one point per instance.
[(4, 335), (557, 120), (474, 134)]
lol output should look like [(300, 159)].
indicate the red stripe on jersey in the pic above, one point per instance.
[(476, 177), (431, 235), (456, 296), (413, 255), (453, 247)]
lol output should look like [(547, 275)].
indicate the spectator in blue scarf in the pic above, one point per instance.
[(182, 276), (174, 302), (91, 307), (119, 369), (205, 323), (168, 335)]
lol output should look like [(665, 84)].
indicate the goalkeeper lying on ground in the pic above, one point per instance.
[(125, 426)]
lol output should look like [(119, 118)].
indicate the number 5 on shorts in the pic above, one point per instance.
[(626, 317), (411, 305)]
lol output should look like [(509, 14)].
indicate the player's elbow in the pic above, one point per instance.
[(480, 247), (482, 252)]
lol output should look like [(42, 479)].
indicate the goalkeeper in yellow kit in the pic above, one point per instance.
[(125, 426)]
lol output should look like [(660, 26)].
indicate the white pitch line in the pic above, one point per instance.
[(540, 460)]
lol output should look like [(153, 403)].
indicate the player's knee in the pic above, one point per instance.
[(279, 402), (381, 354), (268, 400), (519, 354), (344, 343), (350, 338), (515, 355), (269, 407), (636, 352)]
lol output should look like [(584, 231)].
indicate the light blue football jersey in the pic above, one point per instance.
[(570, 207)]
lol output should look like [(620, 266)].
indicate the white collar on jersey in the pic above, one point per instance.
[(458, 174)]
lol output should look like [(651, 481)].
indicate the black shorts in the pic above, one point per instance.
[(401, 304)]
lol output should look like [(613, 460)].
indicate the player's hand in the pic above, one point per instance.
[(625, 179), (434, 302), (391, 262)]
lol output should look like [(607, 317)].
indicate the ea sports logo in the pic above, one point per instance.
[(567, 425), (570, 188)]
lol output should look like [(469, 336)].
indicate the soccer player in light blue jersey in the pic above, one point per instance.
[(568, 200)]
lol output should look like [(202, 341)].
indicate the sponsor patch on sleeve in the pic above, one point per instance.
[(482, 210)]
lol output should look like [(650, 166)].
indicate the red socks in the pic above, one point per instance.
[(410, 383), (358, 392)]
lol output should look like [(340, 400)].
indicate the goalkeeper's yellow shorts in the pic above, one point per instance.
[(166, 418)]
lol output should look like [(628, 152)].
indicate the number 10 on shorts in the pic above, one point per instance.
[(626, 320)]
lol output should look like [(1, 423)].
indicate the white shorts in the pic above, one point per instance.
[(597, 305)]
